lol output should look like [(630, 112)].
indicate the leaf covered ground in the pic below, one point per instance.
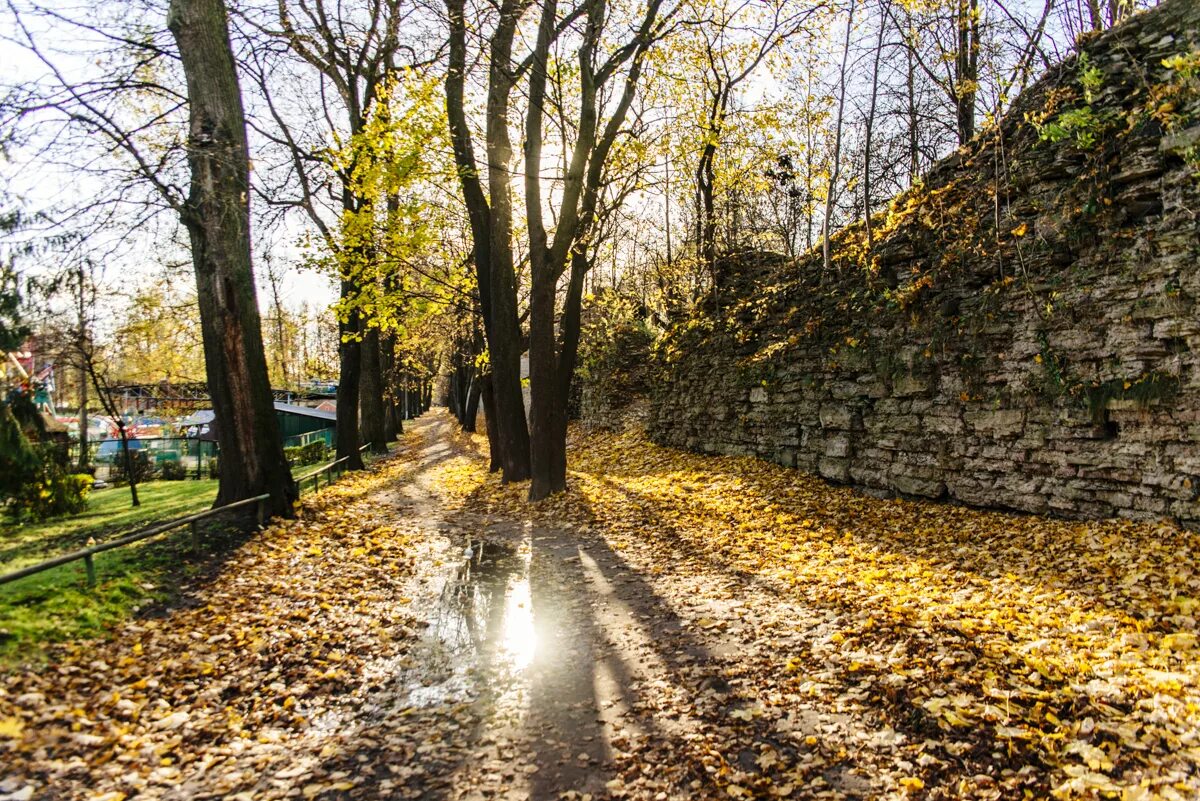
[(996, 655), (675, 626), (234, 677)]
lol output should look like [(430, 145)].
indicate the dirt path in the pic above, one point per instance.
[(388, 645), (555, 666)]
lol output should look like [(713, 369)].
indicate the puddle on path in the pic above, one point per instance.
[(481, 623)]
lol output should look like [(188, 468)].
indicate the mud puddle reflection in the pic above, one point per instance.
[(481, 624)]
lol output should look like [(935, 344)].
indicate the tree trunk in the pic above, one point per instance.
[(966, 68), (910, 85), (505, 342), (478, 211), (277, 308), (374, 426), (349, 378), (870, 130), (217, 217), (460, 383), (550, 367), (84, 462), (414, 397), (462, 394), (549, 450), (706, 236), (81, 352), (835, 169), (471, 413), (511, 426), (545, 403), (128, 458), (706, 179), (489, 421), (393, 425), (491, 227)]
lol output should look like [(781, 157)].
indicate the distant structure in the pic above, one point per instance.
[(193, 396)]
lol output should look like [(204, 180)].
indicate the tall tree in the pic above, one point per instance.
[(490, 215), (966, 68), (132, 112), (946, 49), (216, 214), (554, 337), (836, 161), (735, 38), (354, 53)]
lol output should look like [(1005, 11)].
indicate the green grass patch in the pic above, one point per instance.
[(57, 605), (108, 513)]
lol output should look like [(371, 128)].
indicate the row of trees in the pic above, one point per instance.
[(467, 172), (595, 78)]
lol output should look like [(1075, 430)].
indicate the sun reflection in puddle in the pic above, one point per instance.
[(483, 620), (519, 640)]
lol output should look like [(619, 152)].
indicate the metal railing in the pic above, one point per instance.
[(336, 468), (88, 554)]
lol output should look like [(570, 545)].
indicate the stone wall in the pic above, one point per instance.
[(600, 411), (1023, 331)]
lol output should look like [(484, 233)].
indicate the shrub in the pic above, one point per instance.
[(139, 460), (73, 490), (34, 481), (311, 453), (214, 468), (20, 459), (614, 351), (173, 471), (52, 493)]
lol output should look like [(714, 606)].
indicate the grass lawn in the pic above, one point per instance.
[(57, 605), (108, 512)]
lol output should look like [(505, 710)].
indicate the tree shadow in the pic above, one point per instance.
[(494, 616), (977, 751), (731, 715)]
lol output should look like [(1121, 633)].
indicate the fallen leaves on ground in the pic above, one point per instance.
[(1023, 656), (707, 627), (232, 689)]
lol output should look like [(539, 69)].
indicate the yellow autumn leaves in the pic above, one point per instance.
[(270, 642), (1069, 646)]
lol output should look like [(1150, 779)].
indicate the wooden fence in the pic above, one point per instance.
[(332, 470)]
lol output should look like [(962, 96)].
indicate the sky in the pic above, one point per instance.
[(127, 255), (139, 257)]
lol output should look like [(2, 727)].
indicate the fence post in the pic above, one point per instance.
[(195, 527), (90, 564), (262, 512)]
